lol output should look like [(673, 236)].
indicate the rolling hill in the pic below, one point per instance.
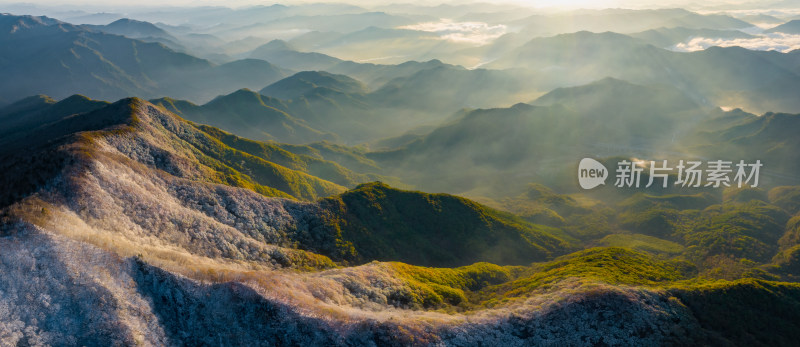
[(435, 230), (767, 138), (447, 89), (304, 82), (283, 54), (501, 145), (251, 115)]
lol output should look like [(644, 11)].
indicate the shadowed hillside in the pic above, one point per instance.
[(388, 224)]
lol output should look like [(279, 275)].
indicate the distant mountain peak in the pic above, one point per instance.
[(76, 98), (790, 27), (134, 29), (521, 106), (80, 103), (35, 98), (306, 81), (277, 45), (126, 21), (612, 81), (27, 105), (11, 23), (241, 95), (617, 93)]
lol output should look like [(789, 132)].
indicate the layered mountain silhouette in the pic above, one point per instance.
[(626, 21), (324, 21), (384, 45), (447, 89), (61, 59), (790, 27), (307, 81), (580, 57), (669, 37), (761, 18), (245, 109), (766, 138), (283, 54), (140, 30), (376, 75), (132, 67), (597, 119), (317, 105)]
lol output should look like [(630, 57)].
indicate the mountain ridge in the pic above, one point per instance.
[(107, 66)]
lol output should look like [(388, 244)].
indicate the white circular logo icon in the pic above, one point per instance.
[(591, 173)]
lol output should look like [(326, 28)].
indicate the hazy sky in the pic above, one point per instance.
[(532, 3)]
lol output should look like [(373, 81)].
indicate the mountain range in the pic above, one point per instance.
[(126, 202), (398, 175), (584, 56), (60, 59), (501, 145)]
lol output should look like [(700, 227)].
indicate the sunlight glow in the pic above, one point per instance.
[(466, 32)]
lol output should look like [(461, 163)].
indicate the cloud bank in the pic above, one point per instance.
[(766, 42), (465, 32)]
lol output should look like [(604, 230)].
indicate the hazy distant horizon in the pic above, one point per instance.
[(95, 5)]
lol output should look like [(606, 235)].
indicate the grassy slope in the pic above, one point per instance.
[(643, 243), (746, 312), (742, 312), (321, 168), (249, 114), (227, 165), (383, 223), (617, 266), (242, 169)]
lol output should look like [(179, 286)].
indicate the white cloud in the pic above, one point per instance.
[(767, 42), (467, 32)]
